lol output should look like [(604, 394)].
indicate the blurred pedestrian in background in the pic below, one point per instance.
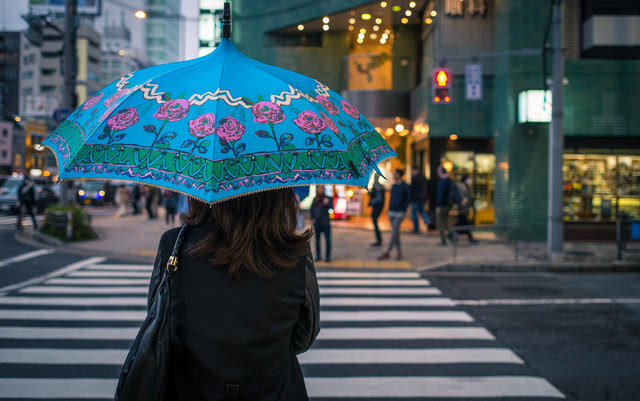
[(151, 201), (136, 194), (376, 201), (446, 197), (398, 202), (27, 199), (182, 210), (170, 206), (122, 200), (419, 196), (322, 221), (466, 203)]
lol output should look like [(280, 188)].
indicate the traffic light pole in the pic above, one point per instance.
[(70, 72), (555, 229)]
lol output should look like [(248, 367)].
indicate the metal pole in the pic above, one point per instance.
[(70, 72), (556, 141)]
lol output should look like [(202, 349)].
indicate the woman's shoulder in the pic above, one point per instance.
[(169, 237)]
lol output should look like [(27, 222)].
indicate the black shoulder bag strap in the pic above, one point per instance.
[(145, 371)]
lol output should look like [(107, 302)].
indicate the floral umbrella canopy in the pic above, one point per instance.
[(216, 127)]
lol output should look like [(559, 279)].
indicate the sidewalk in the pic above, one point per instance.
[(135, 238)]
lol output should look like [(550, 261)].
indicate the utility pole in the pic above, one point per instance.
[(70, 72), (555, 223)]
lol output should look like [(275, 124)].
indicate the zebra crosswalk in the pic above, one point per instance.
[(10, 221), (385, 335)]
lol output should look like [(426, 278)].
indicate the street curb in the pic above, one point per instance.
[(537, 267)]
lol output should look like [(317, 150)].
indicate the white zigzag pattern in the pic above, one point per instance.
[(283, 99), (149, 92), (124, 81), (322, 89), (225, 95)]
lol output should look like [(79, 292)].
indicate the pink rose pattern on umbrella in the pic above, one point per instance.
[(333, 127), (92, 101), (265, 112), (328, 104), (203, 125), (309, 122), (349, 109), (116, 96), (123, 119), (230, 131), (200, 127), (173, 110)]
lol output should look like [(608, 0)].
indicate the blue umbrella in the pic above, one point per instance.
[(216, 127)]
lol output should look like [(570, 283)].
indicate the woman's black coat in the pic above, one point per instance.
[(237, 340)]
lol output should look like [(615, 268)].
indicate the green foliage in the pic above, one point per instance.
[(55, 226)]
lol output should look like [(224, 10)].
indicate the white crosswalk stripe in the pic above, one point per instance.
[(10, 221), (385, 334)]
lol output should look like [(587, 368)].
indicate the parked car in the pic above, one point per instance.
[(91, 192), (9, 202), (9, 199)]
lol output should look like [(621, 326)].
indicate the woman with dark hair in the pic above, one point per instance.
[(244, 300)]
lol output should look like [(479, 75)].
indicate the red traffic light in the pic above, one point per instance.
[(436, 99), (441, 78)]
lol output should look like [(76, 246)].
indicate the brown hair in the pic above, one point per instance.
[(255, 232)]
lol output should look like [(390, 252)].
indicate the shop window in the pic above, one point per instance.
[(601, 187), (480, 167)]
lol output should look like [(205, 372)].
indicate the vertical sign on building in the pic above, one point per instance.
[(473, 81)]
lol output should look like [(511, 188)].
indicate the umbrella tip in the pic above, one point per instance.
[(226, 21)]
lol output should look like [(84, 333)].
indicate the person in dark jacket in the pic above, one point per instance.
[(322, 221), (170, 206), (398, 202), (465, 206), (443, 206), (376, 201), (27, 199), (419, 196), (244, 301)]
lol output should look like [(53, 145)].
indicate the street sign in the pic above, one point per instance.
[(473, 81), (61, 114)]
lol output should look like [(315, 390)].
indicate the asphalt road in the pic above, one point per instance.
[(388, 335)]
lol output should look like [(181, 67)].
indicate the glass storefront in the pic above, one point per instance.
[(601, 187), (481, 167)]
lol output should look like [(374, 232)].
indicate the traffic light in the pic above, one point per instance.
[(441, 88)]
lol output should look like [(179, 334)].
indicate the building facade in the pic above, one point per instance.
[(41, 78), (6, 146), (118, 55), (9, 74), (381, 56), (162, 31)]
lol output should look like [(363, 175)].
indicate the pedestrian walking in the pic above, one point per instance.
[(244, 300), (376, 201), (466, 203), (136, 194), (447, 196), (151, 201), (322, 221), (419, 196), (27, 199), (170, 206), (122, 200), (398, 202), (182, 210)]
